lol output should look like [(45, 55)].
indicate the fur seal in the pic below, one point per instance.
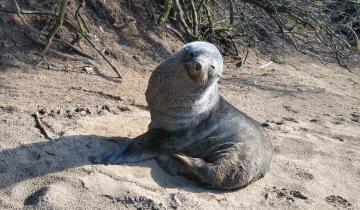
[(194, 131)]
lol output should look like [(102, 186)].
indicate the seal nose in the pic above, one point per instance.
[(198, 66), (194, 66)]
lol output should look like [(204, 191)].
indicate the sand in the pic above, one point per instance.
[(310, 111)]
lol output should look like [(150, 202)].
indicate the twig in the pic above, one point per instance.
[(97, 50), (200, 5), (56, 26), (194, 17), (26, 12), (34, 30), (40, 125), (235, 47), (180, 17), (79, 19), (265, 65), (127, 22), (22, 19), (60, 53), (164, 16), (231, 8), (246, 56), (210, 22), (177, 33)]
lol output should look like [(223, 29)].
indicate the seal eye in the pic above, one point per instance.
[(191, 54), (212, 66)]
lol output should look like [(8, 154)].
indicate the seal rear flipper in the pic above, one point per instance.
[(180, 164), (172, 165), (225, 174)]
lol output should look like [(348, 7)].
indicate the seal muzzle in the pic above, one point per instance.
[(196, 71)]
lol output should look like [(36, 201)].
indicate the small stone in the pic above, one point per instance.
[(238, 64), (42, 111), (278, 59), (290, 119), (106, 108), (314, 120), (136, 58), (52, 113), (123, 108), (298, 194), (355, 120), (265, 124), (88, 111), (93, 37), (101, 112), (88, 69)]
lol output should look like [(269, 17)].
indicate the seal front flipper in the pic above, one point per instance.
[(143, 147), (109, 157), (132, 153)]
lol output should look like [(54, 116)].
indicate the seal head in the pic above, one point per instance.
[(203, 62), (183, 89)]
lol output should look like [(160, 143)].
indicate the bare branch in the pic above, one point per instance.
[(57, 25)]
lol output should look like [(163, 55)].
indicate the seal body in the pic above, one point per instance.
[(193, 130)]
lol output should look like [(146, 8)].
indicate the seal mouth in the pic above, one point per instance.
[(199, 78)]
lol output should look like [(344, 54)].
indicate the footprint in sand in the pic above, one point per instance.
[(81, 111), (339, 120), (136, 202), (355, 117), (297, 172), (294, 148), (275, 196), (338, 202), (55, 196)]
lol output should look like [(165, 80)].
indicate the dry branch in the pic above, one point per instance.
[(63, 42), (328, 30), (194, 17), (181, 19), (165, 15), (41, 126), (57, 25), (34, 30), (82, 25)]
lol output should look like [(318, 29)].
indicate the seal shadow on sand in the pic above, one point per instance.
[(39, 159)]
